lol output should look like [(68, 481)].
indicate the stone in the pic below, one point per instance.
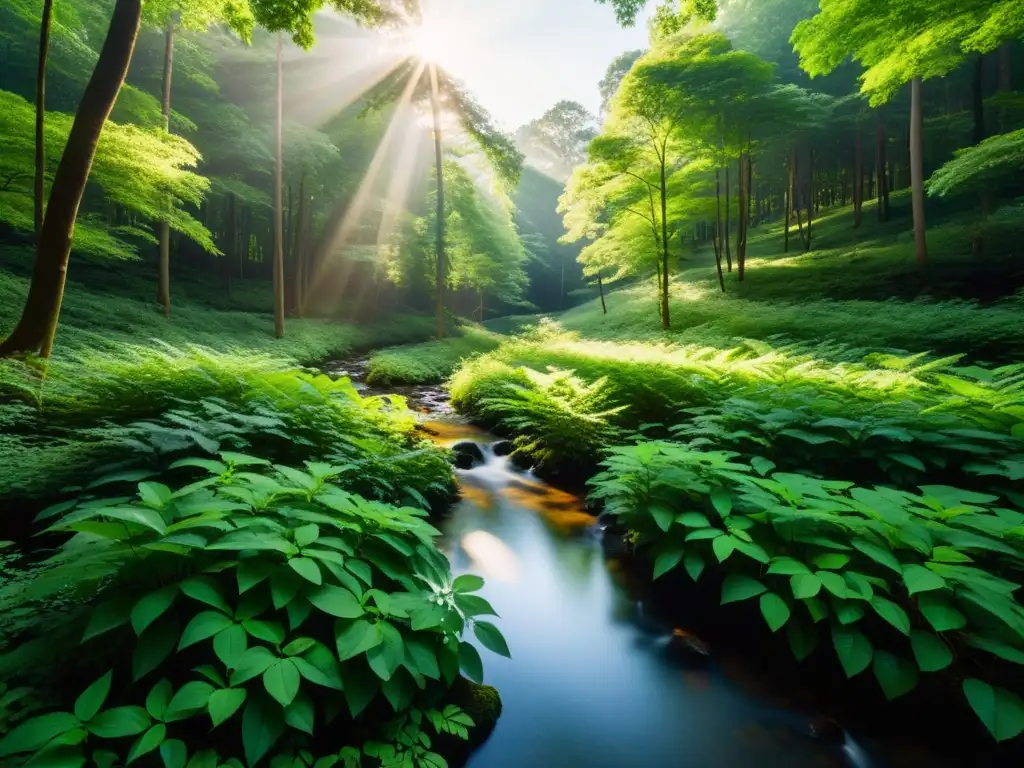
[(470, 449), (503, 448), (827, 730), (480, 702), (520, 460)]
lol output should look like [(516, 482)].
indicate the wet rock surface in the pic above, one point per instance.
[(503, 448)]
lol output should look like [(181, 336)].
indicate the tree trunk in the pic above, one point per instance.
[(810, 194), (917, 171), (279, 201), (600, 288), (35, 330), (728, 229), (858, 178), (978, 99), (439, 166), (1005, 82), (163, 289), (798, 193), (881, 183), (40, 180), (296, 218), (718, 228), (789, 197), (481, 305), (744, 201), (665, 323)]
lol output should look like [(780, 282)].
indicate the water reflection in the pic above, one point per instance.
[(592, 682)]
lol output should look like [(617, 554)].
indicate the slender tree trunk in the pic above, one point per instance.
[(296, 218), (481, 308), (718, 228), (798, 199), (744, 213), (600, 288), (439, 166), (978, 98), (40, 179), (665, 321), (858, 178), (35, 330), (881, 182), (728, 228), (1005, 81), (279, 201), (164, 230), (810, 194), (789, 197), (917, 171)]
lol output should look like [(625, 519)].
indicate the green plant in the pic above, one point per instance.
[(262, 595), (905, 582)]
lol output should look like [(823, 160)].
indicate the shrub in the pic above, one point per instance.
[(304, 621), (430, 362), (905, 582)]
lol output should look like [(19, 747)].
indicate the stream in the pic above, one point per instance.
[(593, 681)]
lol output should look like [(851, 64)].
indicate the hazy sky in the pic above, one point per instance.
[(520, 57)]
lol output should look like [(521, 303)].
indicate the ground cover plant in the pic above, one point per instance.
[(428, 362)]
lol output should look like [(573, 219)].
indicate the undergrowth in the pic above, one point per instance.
[(430, 362)]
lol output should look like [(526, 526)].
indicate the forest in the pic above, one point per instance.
[(427, 383)]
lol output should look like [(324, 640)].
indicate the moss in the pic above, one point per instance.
[(480, 702)]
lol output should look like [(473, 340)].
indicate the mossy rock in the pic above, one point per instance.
[(480, 702)]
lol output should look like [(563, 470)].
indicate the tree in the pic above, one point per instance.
[(40, 171), (557, 141), (617, 70)]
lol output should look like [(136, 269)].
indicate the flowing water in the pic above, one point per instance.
[(592, 682)]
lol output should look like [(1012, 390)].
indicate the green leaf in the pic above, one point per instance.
[(761, 465), (805, 585), (205, 590), (269, 631), (155, 645), (896, 675), (849, 611), (920, 579), (361, 686), (723, 546), (191, 698), (802, 637), (950, 555), (666, 561), (320, 666), (206, 758), (211, 466), (252, 572), (662, 515), (693, 520), (1002, 712), (997, 648), (107, 616), (92, 698), (831, 561), (282, 681), (909, 461), (357, 637), (336, 601), (388, 655), (155, 495), (787, 566), (203, 625), (704, 533), (467, 582), (930, 652), (152, 607), (892, 613), (853, 649), (721, 500), (262, 726), (158, 698), (33, 734), (300, 714), (224, 703), (737, 587), (364, 572), (491, 638), (307, 534), (421, 658), (174, 753), (471, 663), (147, 742), (774, 610), (285, 585), (694, 565), (119, 721), (834, 583), (254, 662), (878, 554), (307, 569), (229, 644), (298, 645)]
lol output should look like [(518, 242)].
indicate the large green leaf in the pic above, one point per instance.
[(471, 663), (307, 534), (92, 698), (147, 742), (892, 613), (1001, 711), (119, 721), (307, 569), (230, 643), (467, 582), (174, 753), (802, 637), (191, 698), (301, 714), (203, 625), (694, 565), (879, 554), (37, 732), (155, 645), (723, 546), (107, 616), (224, 703), (737, 587), (421, 658), (667, 560), (663, 516), (152, 607), (834, 583), (282, 681), (254, 662), (721, 500), (895, 674), (357, 637), (853, 649), (336, 601), (158, 698), (205, 590), (920, 579), (491, 638), (320, 666), (930, 652), (805, 585), (774, 610), (387, 656), (787, 566), (262, 726), (940, 612)]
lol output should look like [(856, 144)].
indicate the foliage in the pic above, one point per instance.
[(254, 594), (430, 362), (906, 583), (980, 168)]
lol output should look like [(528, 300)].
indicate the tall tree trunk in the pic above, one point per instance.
[(439, 167), (744, 212), (163, 289), (718, 228), (810, 194), (978, 99), (279, 201), (881, 182), (798, 202), (40, 179), (789, 196), (1005, 82), (665, 322), (858, 178), (600, 288), (481, 308), (296, 219), (917, 171), (35, 330), (728, 229)]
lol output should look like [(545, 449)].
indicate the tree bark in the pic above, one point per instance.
[(40, 179), (439, 166), (600, 288), (728, 228), (978, 99), (1005, 82), (810, 194), (35, 330), (917, 171), (718, 228), (858, 178), (789, 197), (279, 201), (164, 271), (665, 323), (881, 182)]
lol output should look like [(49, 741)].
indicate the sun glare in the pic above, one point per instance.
[(435, 43)]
